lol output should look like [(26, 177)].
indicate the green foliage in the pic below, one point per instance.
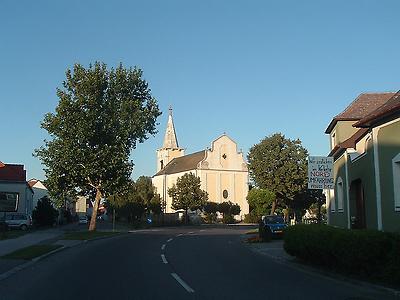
[(279, 165), (210, 210), (44, 214), (101, 116), (260, 201), (251, 217), (136, 199), (187, 193), (228, 209), (367, 253)]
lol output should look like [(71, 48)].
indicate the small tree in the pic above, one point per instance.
[(229, 210), (187, 194), (44, 214), (260, 201), (210, 210)]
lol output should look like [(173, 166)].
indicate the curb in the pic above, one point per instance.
[(23, 266), (326, 274)]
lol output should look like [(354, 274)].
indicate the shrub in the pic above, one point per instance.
[(251, 218), (44, 214), (367, 253)]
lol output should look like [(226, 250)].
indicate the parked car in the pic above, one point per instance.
[(18, 220), (271, 226), (83, 220)]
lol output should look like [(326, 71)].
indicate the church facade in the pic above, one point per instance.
[(222, 169)]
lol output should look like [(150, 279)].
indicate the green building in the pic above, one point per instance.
[(365, 145)]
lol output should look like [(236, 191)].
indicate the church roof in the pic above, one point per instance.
[(170, 140), (183, 163)]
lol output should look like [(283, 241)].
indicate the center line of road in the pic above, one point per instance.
[(182, 283), (169, 240), (164, 259), (163, 247)]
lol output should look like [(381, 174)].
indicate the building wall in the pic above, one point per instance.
[(40, 191), (25, 203), (389, 147), (362, 167), (342, 131), (336, 217)]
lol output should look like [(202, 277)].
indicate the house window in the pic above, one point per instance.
[(8, 201), (339, 188), (332, 201), (396, 181)]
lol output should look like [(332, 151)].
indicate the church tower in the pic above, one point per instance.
[(170, 148)]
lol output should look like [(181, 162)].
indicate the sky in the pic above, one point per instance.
[(245, 68)]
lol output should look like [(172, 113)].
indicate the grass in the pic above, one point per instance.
[(253, 231), (12, 234), (31, 252), (88, 235)]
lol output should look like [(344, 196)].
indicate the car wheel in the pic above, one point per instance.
[(23, 227)]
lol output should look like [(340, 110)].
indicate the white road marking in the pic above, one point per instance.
[(164, 259), (191, 232), (179, 234), (163, 247), (201, 230), (182, 283), (169, 240)]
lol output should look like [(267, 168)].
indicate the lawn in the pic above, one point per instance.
[(12, 234), (31, 252), (88, 235)]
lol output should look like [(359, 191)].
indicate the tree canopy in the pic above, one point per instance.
[(279, 165), (100, 117), (260, 201), (187, 193), (137, 198)]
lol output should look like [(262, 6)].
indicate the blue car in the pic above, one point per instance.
[(271, 226)]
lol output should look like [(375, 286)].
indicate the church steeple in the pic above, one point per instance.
[(170, 140), (170, 148)]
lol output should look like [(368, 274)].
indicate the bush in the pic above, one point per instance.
[(228, 219), (44, 214), (368, 253), (251, 218)]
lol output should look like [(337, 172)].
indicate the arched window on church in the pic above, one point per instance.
[(162, 164)]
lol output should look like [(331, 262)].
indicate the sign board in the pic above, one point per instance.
[(8, 201), (320, 172)]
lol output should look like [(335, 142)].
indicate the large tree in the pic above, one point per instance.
[(260, 201), (187, 193), (279, 165), (101, 115)]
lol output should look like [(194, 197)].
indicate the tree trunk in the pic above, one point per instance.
[(92, 225), (186, 216), (273, 207)]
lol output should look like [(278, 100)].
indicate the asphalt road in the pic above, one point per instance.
[(173, 263)]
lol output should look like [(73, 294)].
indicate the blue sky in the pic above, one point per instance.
[(247, 68)]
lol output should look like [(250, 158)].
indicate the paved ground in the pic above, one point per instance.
[(174, 263)]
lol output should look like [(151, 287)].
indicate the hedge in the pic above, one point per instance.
[(369, 253)]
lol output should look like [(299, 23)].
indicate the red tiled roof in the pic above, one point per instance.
[(387, 109), (362, 106), (12, 172), (183, 163), (32, 182)]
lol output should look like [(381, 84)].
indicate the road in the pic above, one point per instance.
[(173, 263)]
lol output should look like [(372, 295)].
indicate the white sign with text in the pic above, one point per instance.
[(320, 172)]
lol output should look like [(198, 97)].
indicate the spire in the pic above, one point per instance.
[(170, 140)]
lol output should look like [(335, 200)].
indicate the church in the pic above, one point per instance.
[(222, 169)]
